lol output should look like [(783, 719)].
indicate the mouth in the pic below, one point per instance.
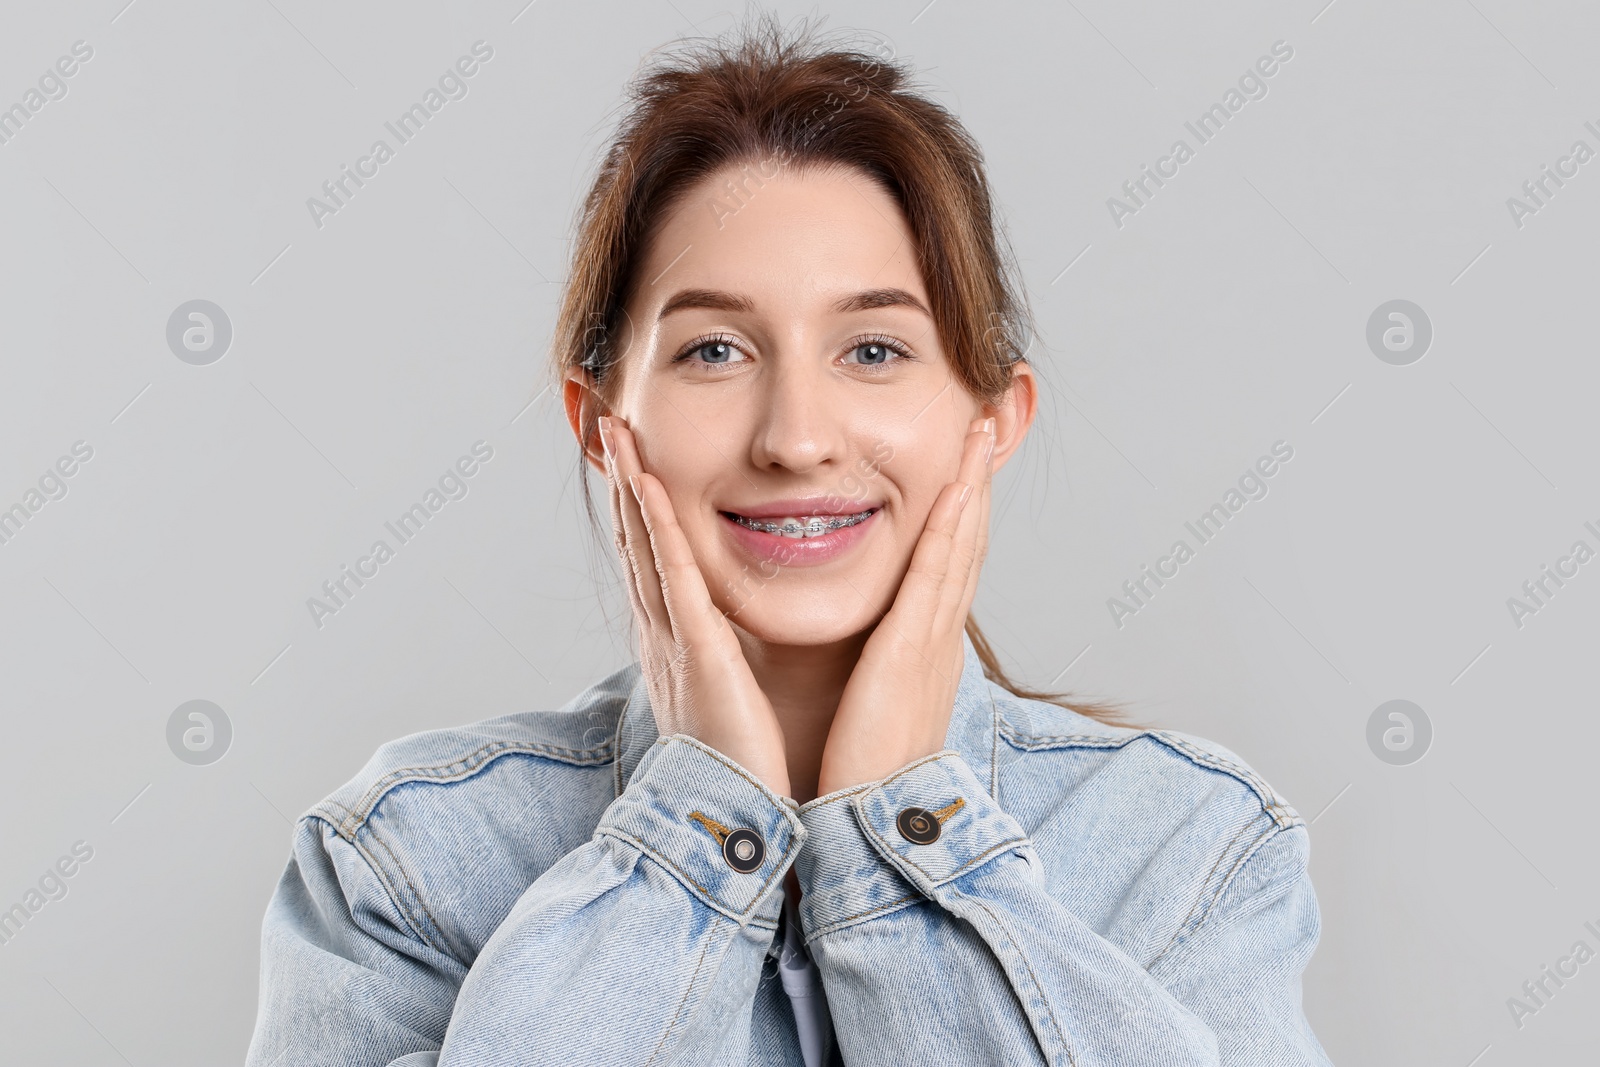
[(786, 536), (799, 527)]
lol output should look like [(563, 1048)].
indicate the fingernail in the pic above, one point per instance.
[(988, 424), (633, 483), (965, 492), (605, 435)]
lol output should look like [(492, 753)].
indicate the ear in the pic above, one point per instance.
[(1013, 413), (583, 404)]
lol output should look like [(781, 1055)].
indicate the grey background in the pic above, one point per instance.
[(1230, 312)]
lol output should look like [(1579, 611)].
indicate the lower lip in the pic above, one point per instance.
[(799, 551)]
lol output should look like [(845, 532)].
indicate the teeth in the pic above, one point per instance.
[(801, 526)]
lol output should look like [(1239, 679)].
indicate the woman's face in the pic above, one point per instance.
[(779, 361)]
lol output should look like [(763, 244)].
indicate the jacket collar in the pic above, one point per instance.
[(973, 732)]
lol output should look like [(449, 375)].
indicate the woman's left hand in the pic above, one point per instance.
[(896, 706)]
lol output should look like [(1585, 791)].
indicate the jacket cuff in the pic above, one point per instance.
[(712, 824), (891, 843)]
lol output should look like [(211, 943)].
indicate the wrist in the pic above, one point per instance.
[(881, 765), (773, 774), (681, 807)]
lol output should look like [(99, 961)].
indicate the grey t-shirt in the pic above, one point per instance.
[(803, 983)]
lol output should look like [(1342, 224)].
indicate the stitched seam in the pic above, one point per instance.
[(1034, 741), (766, 794), (1200, 896), (782, 864), (847, 793), (1223, 854), (616, 742), (764, 790), (388, 887), (725, 909), (482, 756), (1248, 854), (653, 854), (1208, 759), (846, 920), (1182, 938), (423, 904), (1274, 805), (328, 802), (1038, 987), (1244, 857), (1270, 801), (979, 858), (957, 873), (935, 758), (681, 1003)]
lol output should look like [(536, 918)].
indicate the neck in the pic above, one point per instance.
[(804, 684)]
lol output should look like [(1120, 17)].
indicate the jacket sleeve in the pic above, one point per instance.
[(954, 952), (642, 946)]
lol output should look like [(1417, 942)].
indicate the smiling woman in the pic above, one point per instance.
[(815, 822), (846, 183), (751, 384)]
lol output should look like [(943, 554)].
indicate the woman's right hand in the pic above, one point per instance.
[(699, 681)]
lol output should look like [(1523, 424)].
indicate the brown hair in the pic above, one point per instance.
[(803, 102)]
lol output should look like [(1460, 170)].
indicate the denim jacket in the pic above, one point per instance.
[(569, 887)]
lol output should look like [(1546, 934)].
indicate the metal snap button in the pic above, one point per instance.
[(744, 850), (918, 825)]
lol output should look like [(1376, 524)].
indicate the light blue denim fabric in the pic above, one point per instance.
[(532, 890)]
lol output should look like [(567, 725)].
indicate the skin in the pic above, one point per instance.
[(813, 678)]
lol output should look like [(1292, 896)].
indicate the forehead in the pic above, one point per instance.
[(790, 238)]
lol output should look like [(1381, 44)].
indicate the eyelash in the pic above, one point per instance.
[(900, 350)]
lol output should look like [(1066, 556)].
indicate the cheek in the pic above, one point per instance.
[(687, 490), (917, 464), (925, 432), (685, 465), (917, 492)]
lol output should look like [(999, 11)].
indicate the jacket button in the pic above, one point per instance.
[(918, 826), (744, 850)]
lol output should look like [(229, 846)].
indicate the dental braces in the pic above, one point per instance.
[(815, 527)]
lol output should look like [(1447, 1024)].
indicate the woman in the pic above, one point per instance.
[(815, 823)]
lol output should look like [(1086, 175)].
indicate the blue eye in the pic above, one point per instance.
[(873, 353), (714, 352), (878, 352), (720, 351)]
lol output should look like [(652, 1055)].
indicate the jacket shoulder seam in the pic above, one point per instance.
[(1204, 902), (1276, 808), (1186, 932), (418, 927), (349, 820)]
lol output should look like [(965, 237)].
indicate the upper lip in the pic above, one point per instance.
[(798, 506)]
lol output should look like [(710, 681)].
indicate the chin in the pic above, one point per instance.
[(792, 617)]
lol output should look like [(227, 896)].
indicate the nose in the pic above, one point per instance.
[(801, 425)]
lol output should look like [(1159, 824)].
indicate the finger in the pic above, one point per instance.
[(637, 547), (615, 488), (690, 612), (921, 590), (911, 618), (964, 548), (979, 506)]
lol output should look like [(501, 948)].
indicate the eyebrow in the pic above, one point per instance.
[(866, 300)]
